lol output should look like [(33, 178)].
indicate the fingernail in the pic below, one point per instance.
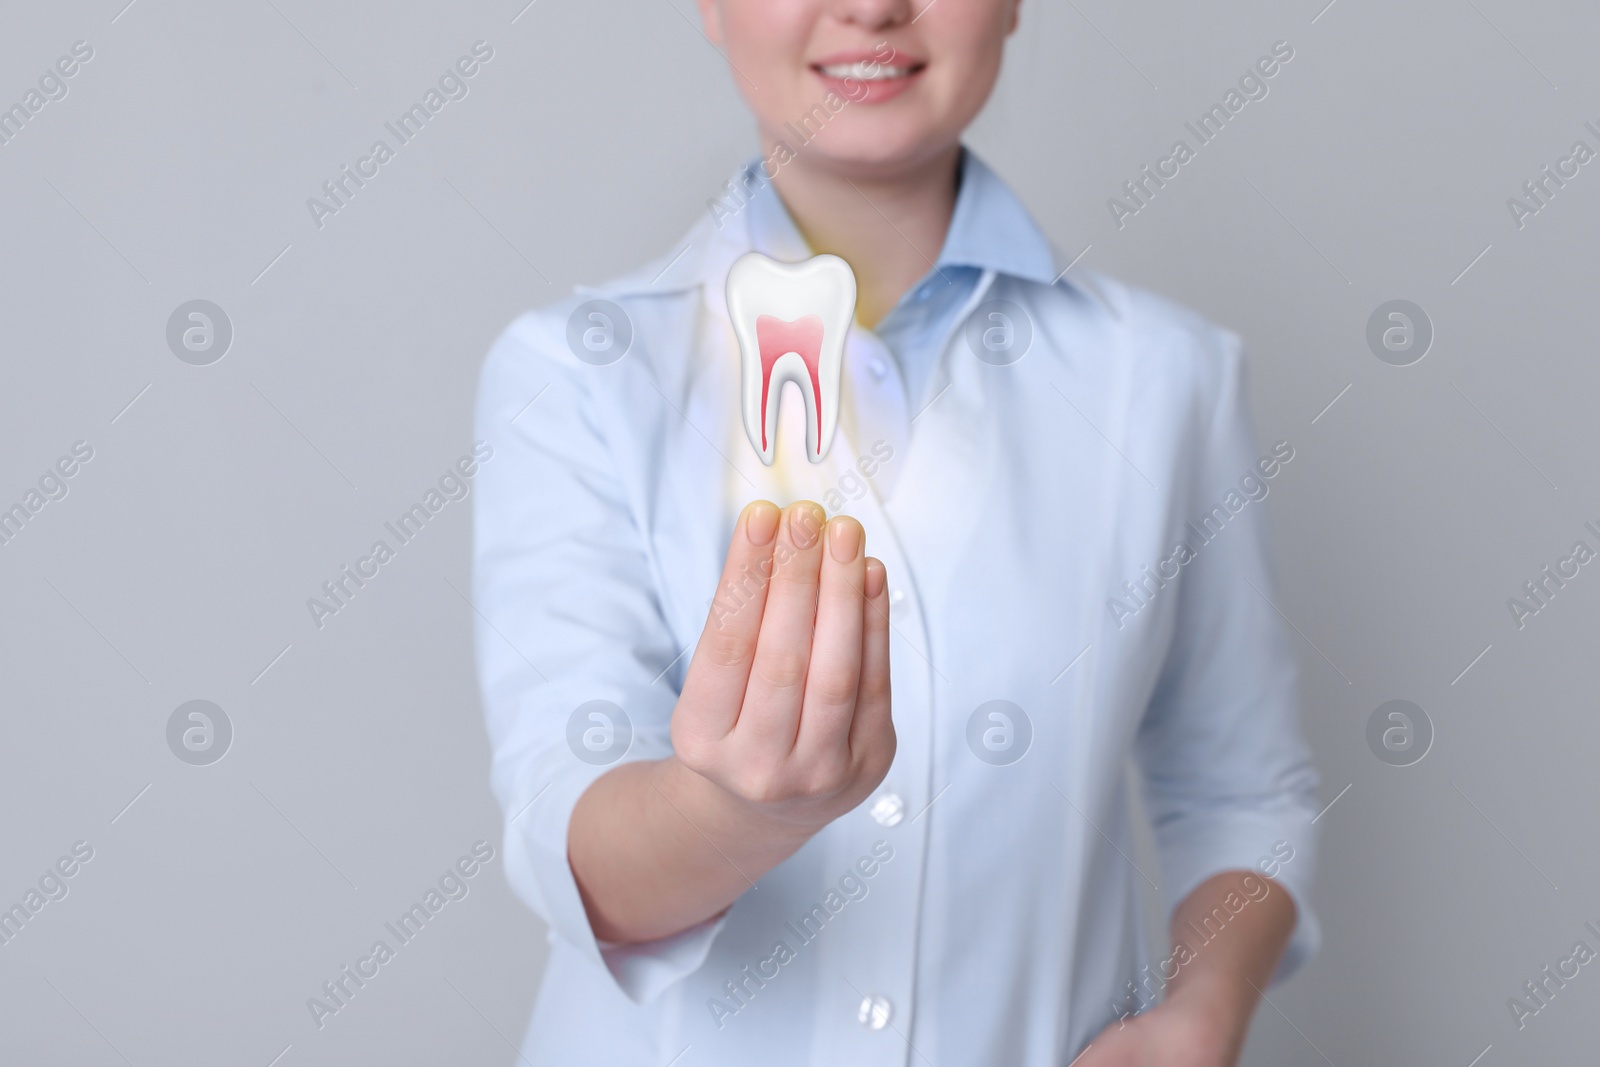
[(844, 540), (877, 578), (805, 524), (761, 523)]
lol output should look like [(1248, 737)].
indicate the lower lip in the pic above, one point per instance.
[(862, 91)]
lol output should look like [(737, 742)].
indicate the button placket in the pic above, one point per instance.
[(873, 952)]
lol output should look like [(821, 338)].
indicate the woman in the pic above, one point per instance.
[(747, 849)]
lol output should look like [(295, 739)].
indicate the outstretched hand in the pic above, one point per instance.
[(786, 702), (783, 725), (1176, 1033)]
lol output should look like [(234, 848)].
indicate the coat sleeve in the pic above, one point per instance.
[(572, 645), (1228, 778)]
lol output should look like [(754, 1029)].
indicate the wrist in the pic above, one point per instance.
[(739, 828), (1220, 1012)]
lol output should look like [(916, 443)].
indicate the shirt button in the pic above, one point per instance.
[(924, 291), (878, 368), (896, 597), (889, 809), (874, 1011)]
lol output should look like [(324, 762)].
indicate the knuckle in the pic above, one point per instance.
[(825, 775), (692, 752), (874, 688), (833, 688), (874, 757), (797, 573), (782, 668), (760, 785), (770, 791), (727, 649), (885, 749)]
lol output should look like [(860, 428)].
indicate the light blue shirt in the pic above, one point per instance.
[(1070, 514)]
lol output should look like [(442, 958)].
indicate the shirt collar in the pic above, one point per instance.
[(989, 230), (992, 230)]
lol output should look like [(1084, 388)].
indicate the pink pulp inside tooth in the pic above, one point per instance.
[(776, 339)]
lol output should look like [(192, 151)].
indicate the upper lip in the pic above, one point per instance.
[(840, 59)]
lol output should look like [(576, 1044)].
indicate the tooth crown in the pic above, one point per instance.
[(791, 320)]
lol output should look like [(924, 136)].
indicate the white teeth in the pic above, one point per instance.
[(791, 320), (865, 71)]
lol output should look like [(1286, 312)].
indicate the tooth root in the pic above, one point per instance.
[(791, 320), (777, 339)]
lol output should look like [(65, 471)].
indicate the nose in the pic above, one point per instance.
[(876, 14)]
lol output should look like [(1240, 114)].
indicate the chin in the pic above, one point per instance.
[(870, 151)]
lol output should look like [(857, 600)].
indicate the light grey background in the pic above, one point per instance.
[(178, 566)]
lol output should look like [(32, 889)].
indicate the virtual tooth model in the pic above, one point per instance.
[(791, 320)]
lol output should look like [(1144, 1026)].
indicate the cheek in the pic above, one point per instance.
[(766, 45), (967, 49)]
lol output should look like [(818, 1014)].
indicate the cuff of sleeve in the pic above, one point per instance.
[(645, 971), (540, 872), (1277, 846)]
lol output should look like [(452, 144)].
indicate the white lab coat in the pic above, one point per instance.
[(1000, 923)]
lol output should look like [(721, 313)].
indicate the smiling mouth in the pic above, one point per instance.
[(868, 71)]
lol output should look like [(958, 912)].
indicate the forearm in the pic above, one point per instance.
[(656, 848), (1232, 930)]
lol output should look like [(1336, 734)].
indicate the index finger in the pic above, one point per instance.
[(714, 685)]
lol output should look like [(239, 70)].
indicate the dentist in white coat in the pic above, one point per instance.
[(783, 801)]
